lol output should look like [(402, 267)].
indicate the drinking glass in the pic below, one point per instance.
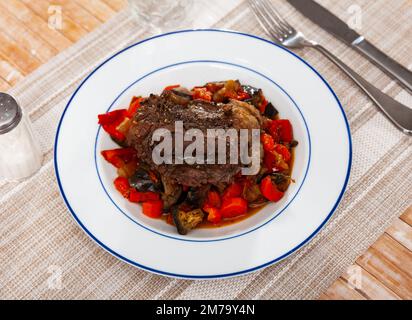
[(162, 15)]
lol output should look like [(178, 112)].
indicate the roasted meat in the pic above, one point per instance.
[(163, 111)]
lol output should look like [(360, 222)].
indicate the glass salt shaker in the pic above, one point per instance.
[(20, 155)]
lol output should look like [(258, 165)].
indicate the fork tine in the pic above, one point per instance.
[(270, 25), (286, 27), (262, 19)]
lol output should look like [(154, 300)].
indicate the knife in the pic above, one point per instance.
[(329, 22)]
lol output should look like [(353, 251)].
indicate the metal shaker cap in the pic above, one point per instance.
[(10, 113)]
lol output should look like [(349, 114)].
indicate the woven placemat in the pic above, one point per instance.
[(44, 254)]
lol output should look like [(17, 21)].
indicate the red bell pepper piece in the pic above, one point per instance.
[(214, 87), (134, 105), (153, 209), (281, 130), (136, 196), (214, 215), (119, 157), (269, 190), (111, 120), (202, 93), (274, 161), (234, 190), (122, 185), (267, 142), (263, 105), (233, 207), (116, 116), (283, 151), (168, 88), (242, 95), (213, 199)]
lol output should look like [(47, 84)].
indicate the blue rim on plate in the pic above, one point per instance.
[(228, 237), (218, 275)]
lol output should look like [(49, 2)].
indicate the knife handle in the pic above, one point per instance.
[(387, 64), (398, 113)]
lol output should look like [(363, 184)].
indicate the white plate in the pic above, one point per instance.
[(193, 57)]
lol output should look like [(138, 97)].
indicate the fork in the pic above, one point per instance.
[(284, 34)]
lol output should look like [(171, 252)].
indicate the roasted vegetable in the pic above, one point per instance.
[(202, 94), (171, 194), (137, 196), (179, 95), (110, 122), (122, 185), (281, 180), (270, 190), (252, 91), (251, 193), (233, 207), (119, 157), (257, 99), (281, 130), (153, 209), (213, 214), (134, 105), (196, 196), (270, 111), (186, 221), (142, 181)]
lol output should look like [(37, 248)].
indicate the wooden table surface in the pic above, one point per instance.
[(384, 271)]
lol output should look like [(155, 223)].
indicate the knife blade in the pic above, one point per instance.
[(329, 22)]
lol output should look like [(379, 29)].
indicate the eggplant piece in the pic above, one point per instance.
[(270, 111), (281, 180), (178, 96), (293, 144), (142, 182), (250, 90), (196, 196), (171, 195), (186, 221), (251, 193), (183, 92), (256, 98)]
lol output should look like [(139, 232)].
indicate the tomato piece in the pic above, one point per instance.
[(233, 207), (136, 196), (134, 105), (234, 190), (213, 199), (153, 209), (119, 157), (122, 185), (281, 130), (202, 93), (269, 190), (168, 88), (267, 142), (283, 151)]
